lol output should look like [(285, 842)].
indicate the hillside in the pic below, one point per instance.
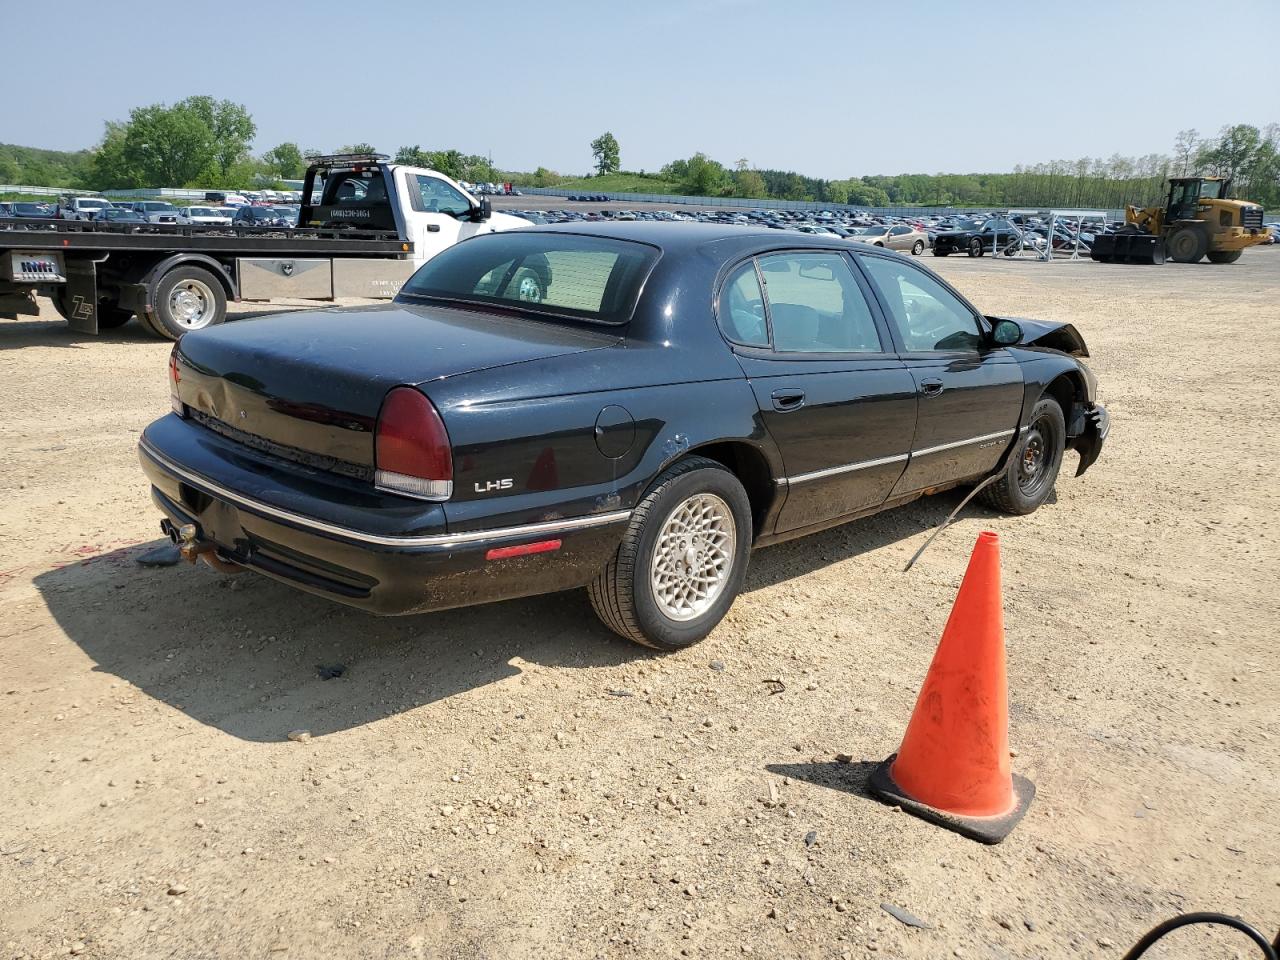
[(43, 168)]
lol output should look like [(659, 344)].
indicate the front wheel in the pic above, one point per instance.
[(1187, 245), (682, 560), (1032, 467), (1224, 256), (917, 248), (975, 247)]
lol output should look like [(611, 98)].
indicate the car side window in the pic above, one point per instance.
[(928, 315), (816, 306), (438, 197), (742, 307)]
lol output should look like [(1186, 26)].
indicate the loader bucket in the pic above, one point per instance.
[(1127, 248)]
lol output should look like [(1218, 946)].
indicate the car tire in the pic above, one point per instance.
[(1187, 245), (917, 248), (637, 595), (1032, 468), (1224, 256), (975, 248), (186, 299), (879, 243)]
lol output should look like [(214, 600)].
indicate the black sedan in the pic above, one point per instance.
[(996, 235), (671, 397)]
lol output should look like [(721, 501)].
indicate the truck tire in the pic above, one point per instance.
[(110, 315), (1224, 256), (188, 298), (682, 559), (1187, 245), (528, 285)]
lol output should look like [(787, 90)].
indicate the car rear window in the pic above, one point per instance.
[(557, 274)]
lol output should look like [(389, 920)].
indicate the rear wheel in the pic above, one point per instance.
[(188, 298), (917, 248), (528, 286), (682, 560), (110, 314), (1224, 256), (1187, 245), (1032, 467)]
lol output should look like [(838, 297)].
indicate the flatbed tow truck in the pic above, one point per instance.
[(374, 224)]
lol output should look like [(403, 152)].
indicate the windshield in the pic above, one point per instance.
[(94, 204), (201, 212), (556, 274)]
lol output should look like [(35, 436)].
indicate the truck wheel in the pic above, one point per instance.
[(527, 286), (975, 247), (682, 560), (1033, 464), (917, 248), (1187, 245), (110, 315), (188, 298), (1224, 256)]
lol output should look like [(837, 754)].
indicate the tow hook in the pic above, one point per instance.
[(192, 547)]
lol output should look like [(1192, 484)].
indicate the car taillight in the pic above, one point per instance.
[(175, 377), (412, 455)]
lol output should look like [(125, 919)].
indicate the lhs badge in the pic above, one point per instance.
[(287, 269)]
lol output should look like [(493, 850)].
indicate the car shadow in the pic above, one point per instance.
[(246, 654)]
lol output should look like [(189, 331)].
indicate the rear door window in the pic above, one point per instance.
[(816, 306)]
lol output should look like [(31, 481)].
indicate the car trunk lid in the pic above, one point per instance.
[(308, 386)]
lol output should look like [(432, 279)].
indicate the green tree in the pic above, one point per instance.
[(357, 148), (607, 153), (285, 161), (197, 139), (542, 177), (413, 156), (230, 125), (749, 183)]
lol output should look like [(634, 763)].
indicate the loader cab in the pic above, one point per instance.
[(1185, 194)]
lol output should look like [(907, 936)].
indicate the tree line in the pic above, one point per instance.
[(204, 142)]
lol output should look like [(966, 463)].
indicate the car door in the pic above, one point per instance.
[(836, 399), (900, 238), (970, 391), (438, 215)]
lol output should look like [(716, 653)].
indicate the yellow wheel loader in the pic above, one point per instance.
[(1197, 220)]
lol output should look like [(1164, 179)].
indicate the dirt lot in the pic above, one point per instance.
[(514, 781)]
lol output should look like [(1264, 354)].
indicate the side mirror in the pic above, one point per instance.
[(483, 212), (1006, 333)]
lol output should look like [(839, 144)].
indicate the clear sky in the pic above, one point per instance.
[(831, 89)]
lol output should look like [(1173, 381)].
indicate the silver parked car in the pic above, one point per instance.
[(894, 236), (158, 211)]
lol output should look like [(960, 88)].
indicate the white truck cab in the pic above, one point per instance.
[(425, 207)]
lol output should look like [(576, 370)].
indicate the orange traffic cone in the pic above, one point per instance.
[(953, 766)]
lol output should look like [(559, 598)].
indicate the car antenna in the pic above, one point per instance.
[(947, 522)]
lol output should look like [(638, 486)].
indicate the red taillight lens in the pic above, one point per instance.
[(175, 377), (411, 447)]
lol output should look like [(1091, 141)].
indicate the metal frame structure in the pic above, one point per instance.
[(1052, 218)]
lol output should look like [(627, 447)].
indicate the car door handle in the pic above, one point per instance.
[(930, 388), (784, 401)]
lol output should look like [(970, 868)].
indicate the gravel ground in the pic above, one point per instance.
[(514, 781)]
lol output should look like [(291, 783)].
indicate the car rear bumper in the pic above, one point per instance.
[(345, 552)]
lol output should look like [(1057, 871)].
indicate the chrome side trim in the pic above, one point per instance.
[(964, 443), (844, 468), (347, 533), (884, 461)]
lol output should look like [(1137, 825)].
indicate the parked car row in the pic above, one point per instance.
[(145, 212), (973, 234)]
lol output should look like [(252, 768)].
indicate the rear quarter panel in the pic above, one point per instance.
[(525, 437)]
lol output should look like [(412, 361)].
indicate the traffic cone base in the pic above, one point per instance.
[(983, 829)]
